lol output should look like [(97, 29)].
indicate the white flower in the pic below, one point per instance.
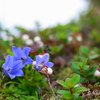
[(37, 39), (40, 43), (10, 38), (79, 38), (29, 42), (25, 37), (97, 73), (70, 38)]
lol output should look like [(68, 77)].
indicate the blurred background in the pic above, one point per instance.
[(58, 27), (47, 12)]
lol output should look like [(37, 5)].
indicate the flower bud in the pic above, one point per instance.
[(34, 63), (49, 71), (97, 73)]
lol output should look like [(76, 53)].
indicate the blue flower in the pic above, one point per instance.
[(22, 54), (42, 61), (12, 68)]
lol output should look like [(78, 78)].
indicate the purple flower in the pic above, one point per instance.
[(22, 54), (42, 61), (12, 68)]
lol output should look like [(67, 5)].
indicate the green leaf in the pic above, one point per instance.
[(62, 83), (79, 90), (86, 67), (84, 61), (84, 50), (75, 65), (83, 80), (92, 70), (75, 79), (66, 94), (77, 97), (69, 83)]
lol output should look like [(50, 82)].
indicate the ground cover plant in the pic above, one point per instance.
[(36, 72)]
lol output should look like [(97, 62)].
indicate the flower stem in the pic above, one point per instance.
[(51, 87)]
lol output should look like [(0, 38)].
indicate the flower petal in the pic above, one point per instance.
[(38, 68), (49, 64), (9, 62), (5, 72), (19, 73), (38, 60), (17, 65), (26, 50), (28, 61), (45, 58), (18, 53), (11, 76)]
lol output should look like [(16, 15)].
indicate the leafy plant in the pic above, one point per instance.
[(71, 91), (85, 65), (85, 71)]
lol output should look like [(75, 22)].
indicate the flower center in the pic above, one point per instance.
[(41, 65), (23, 59), (9, 69)]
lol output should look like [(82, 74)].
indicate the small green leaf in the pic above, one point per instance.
[(91, 70), (69, 83), (77, 97), (79, 90), (75, 65), (83, 80), (66, 94), (85, 67), (84, 61), (75, 79), (62, 83), (84, 50)]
